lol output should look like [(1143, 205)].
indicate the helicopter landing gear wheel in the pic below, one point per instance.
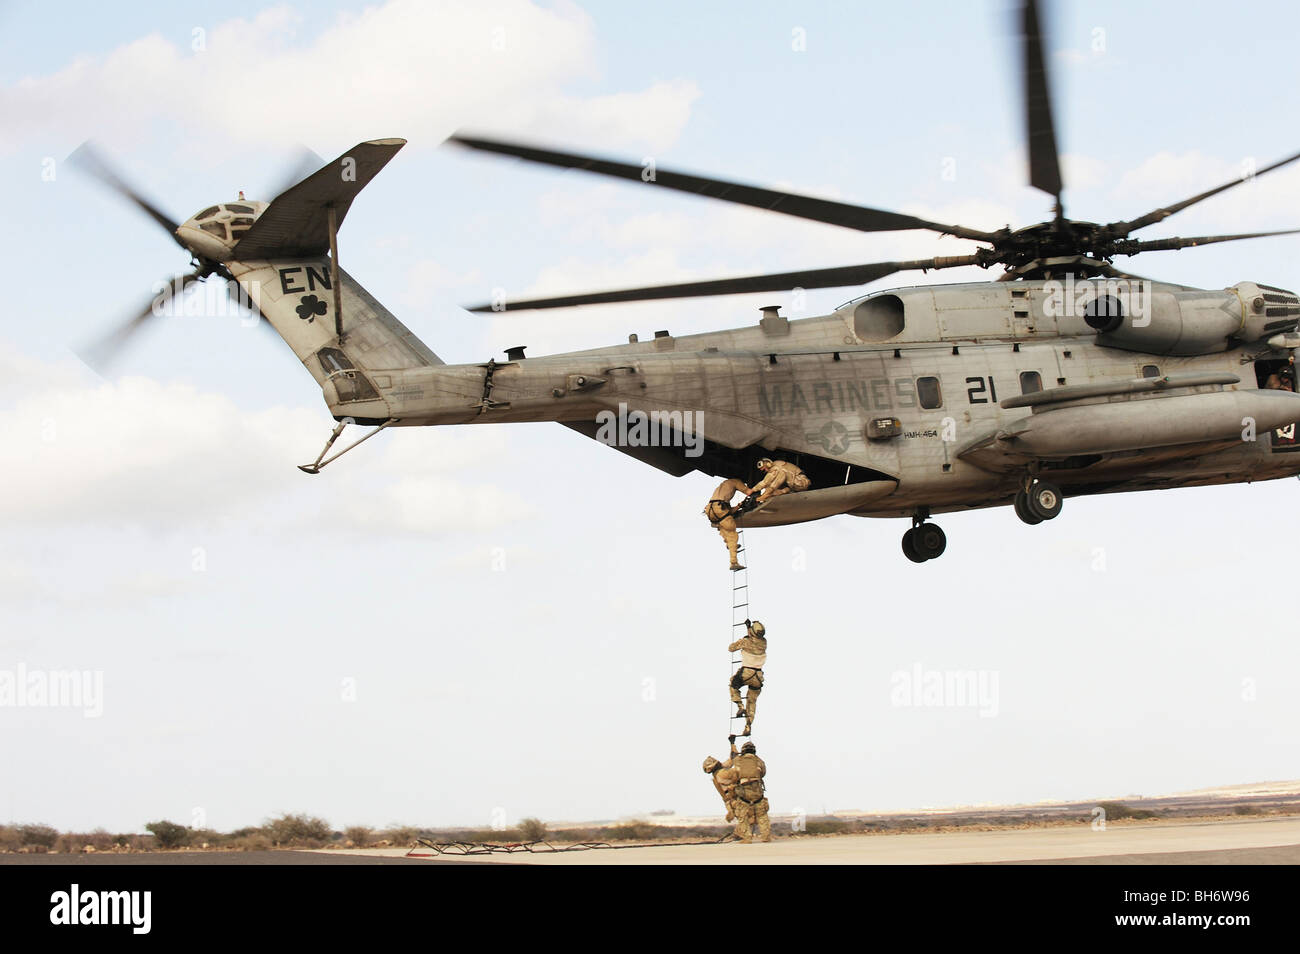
[(909, 548), (925, 541), (1044, 500), (1021, 507)]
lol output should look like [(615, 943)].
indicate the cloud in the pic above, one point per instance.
[(79, 452), (399, 68)]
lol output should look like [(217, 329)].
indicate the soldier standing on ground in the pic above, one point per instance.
[(721, 515), (751, 803), (753, 657)]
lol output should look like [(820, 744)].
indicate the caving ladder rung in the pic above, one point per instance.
[(739, 613)]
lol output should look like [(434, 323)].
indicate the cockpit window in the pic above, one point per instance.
[(207, 213), (214, 228), (241, 209), (244, 221)]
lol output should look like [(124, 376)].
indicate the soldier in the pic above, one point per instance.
[(722, 515), (751, 804), (753, 656), (1280, 380), (725, 778), (781, 477)]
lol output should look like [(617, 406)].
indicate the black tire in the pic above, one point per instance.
[(929, 541), (1044, 500), (909, 549), (1022, 510)]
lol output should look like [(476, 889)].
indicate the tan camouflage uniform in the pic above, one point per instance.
[(719, 512), (725, 779), (751, 805), (782, 477), (753, 657)]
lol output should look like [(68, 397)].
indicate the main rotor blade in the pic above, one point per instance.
[(784, 281), (857, 217), (87, 157), (1162, 245), (1159, 215), (101, 353), (1044, 163)]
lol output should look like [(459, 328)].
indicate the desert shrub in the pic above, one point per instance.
[(38, 836), (532, 829), (302, 831), (359, 835), (168, 834), (826, 826), (398, 835)]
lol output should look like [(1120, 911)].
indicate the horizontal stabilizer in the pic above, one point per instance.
[(296, 224)]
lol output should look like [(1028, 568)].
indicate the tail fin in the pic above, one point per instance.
[(282, 265)]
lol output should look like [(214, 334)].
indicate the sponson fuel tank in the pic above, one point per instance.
[(1154, 422)]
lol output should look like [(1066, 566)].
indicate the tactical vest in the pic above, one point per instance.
[(751, 770)]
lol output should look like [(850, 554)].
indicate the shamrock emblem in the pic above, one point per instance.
[(310, 307)]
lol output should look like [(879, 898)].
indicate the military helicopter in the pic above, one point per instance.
[(1064, 377)]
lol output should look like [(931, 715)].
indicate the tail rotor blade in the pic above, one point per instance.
[(101, 354), (87, 157)]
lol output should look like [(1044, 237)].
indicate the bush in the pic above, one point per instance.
[(10, 839), (826, 826), (1116, 810), (359, 835), (251, 839), (532, 829), (168, 834), (399, 836), (301, 831), (38, 836)]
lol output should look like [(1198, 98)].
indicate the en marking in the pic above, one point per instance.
[(291, 277)]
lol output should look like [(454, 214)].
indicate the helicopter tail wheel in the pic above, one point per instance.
[(1021, 507), (924, 542), (1044, 500)]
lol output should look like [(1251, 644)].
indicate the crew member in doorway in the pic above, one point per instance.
[(722, 515), (753, 657), (780, 477), (1283, 379)]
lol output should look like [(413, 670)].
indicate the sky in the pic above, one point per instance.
[(472, 625)]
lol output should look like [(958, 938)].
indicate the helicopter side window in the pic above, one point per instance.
[(1150, 371), (929, 393), (1030, 382), (350, 383)]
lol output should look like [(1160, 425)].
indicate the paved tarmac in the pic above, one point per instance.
[(1246, 841), (1231, 841)]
